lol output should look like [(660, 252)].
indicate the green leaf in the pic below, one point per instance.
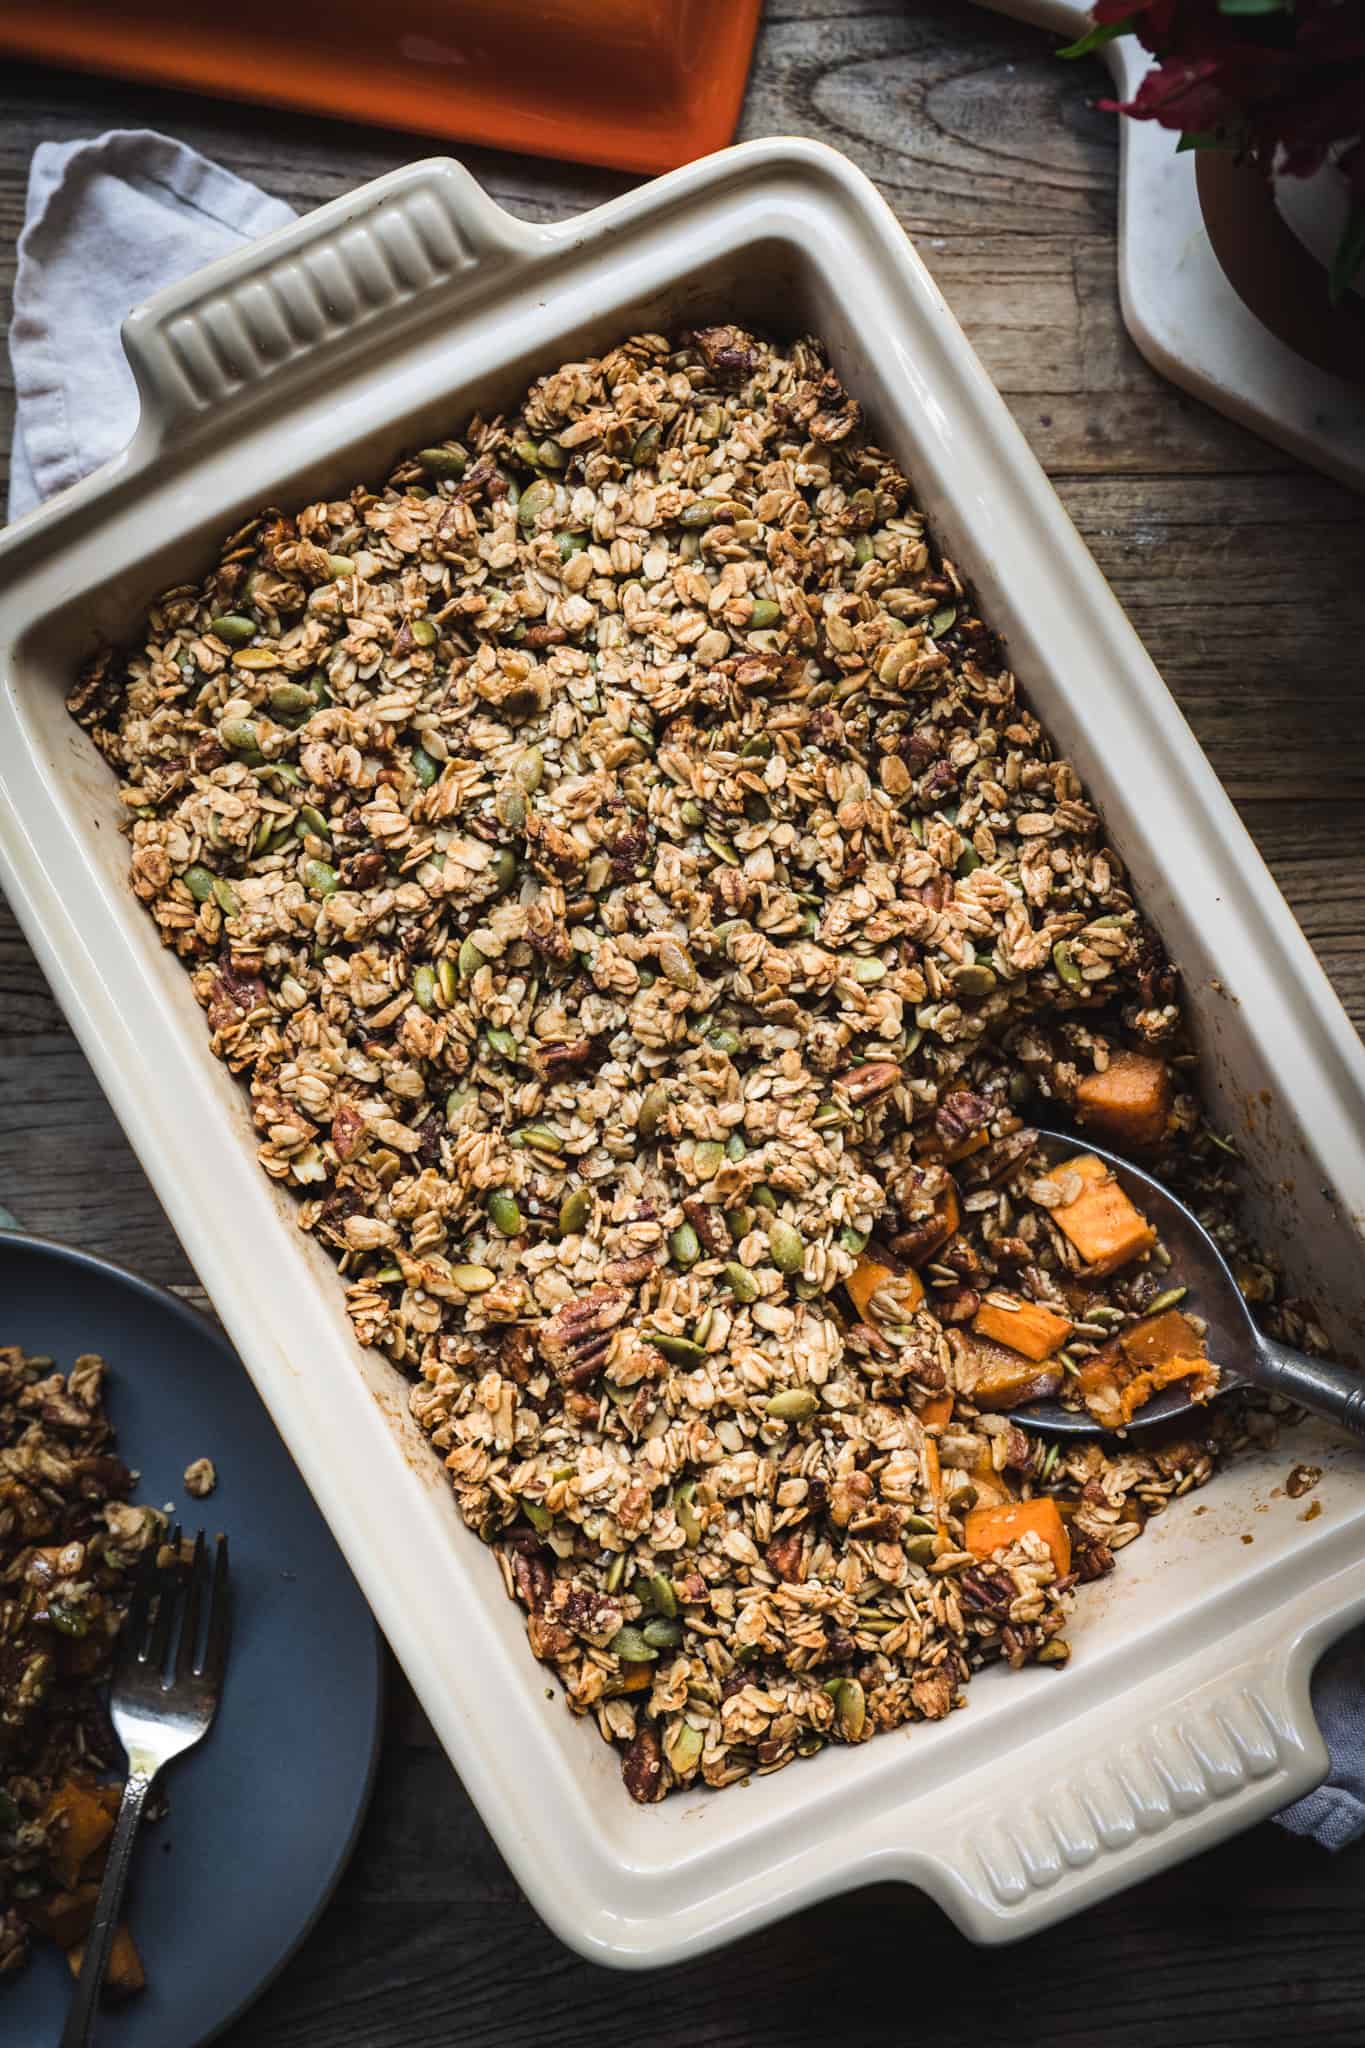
[(1350, 253), (1103, 32), (1254, 6), (1204, 138)]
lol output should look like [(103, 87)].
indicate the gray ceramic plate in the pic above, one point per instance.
[(263, 1815)]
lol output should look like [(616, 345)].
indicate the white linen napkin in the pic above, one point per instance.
[(109, 222)]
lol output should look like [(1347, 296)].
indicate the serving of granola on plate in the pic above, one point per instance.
[(617, 858)]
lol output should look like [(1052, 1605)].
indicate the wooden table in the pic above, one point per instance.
[(1246, 577)]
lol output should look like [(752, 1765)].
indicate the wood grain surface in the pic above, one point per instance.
[(1245, 575)]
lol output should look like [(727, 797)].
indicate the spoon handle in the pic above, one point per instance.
[(1333, 1391)]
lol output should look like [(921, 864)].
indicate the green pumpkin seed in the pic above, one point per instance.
[(725, 1040), (504, 1214), (424, 986), (538, 1516), (446, 978), (473, 1279), (692, 814), (526, 451), (974, 980), (721, 848), (529, 769), (630, 1646), (684, 1246), (255, 658), (199, 881), (241, 735), (290, 700), (457, 1102), (1164, 1301), (540, 1136), (653, 1107), (735, 1147), (425, 767), (942, 619), (853, 1240), (339, 566), (866, 969), (470, 960), (663, 1634), (570, 544), (1065, 965), (763, 1197), (683, 1747), (675, 963), (319, 879), (757, 748), (680, 1350), (852, 1709), (449, 461), (535, 499), (233, 627), (828, 1117), (969, 860), (863, 549), (922, 1549), (786, 1248), (707, 1159), (662, 1594), (696, 515), (646, 445), (741, 1282), (795, 1404), (316, 823), (1054, 1652), (511, 809), (504, 867), (550, 455), (616, 1571), (226, 897), (966, 1497), (764, 614), (574, 1211), (684, 1507), (424, 632), (919, 1525), (501, 1042), (740, 1221)]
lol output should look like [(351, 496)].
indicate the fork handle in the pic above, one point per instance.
[(80, 2020)]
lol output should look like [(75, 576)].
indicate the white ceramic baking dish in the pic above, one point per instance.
[(306, 362)]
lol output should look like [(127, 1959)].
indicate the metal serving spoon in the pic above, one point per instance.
[(1244, 1352)]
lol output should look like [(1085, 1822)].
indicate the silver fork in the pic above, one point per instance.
[(157, 1717)]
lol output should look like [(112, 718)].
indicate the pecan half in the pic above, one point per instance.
[(556, 1058), (348, 1130), (709, 1225), (996, 1162), (783, 1554), (642, 1767), (575, 1341), (872, 1081), (961, 1114)]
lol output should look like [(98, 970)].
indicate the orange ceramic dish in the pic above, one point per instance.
[(642, 85)]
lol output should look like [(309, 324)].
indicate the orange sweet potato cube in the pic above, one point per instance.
[(1130, 1102), (1101, 1222), (1027, 1327), (869, 1276)]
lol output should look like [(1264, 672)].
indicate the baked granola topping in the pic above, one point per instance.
[(616, 857)]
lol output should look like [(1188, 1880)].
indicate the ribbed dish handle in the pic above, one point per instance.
[(1206, 1763), (290, 310)]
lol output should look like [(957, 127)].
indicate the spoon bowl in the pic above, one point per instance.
[(1243, 1353)]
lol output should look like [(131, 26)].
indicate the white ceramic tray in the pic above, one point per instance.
[(307, 361), (1178, 305)]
